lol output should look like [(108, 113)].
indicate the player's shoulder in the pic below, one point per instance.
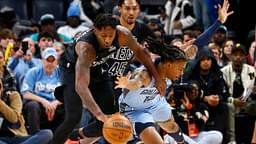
[(123, 30)]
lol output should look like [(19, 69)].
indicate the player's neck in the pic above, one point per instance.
[(161, 71), (125, 24)]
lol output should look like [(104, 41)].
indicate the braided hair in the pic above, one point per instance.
[(166, 52)]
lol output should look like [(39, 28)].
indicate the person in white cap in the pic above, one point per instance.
[(41, 106)]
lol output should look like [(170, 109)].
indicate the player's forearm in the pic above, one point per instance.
[(86, 96), (145, 59), (134, 84)]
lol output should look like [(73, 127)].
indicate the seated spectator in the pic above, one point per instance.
[(156, 26), (216, 50), (193, 115), (31, 45), (252, 54), (6, 37), (47, 23), (59, 47), (12, 126), (220, 36), (207, 73), (7, 76), (226, 52), (83, 16), (74, 24), (45, 40), (239, 77), (22, 61), (41, 107)]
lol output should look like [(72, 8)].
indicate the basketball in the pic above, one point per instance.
[(117, 129)]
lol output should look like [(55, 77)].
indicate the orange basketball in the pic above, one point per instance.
[(117, 129)]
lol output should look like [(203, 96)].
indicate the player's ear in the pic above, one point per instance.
[(94, 28), (119, 9), (168, 64)]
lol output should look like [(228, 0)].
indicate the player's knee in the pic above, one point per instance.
[(172, 127)]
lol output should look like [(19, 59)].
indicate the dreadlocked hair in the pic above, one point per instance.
[(166, 52)]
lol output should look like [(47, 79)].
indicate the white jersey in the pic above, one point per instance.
[(141, 98), (145, 105)]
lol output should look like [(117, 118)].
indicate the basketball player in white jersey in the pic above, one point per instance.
[(141, 102)]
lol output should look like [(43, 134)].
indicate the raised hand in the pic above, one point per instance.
[(122, 81), (223, 11)]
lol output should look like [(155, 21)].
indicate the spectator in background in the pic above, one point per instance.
[(201, 10), (92, 8), (47, 24), (8, 18), (216, 52), (74, 24), (193, 112), (226, 52), (22, 61), (254, 134), (180, 15), (83, 16), (207, 73), (6, 37), (108, 5), (239, 77), (156, 26), (12, 124), (252, 54), (45, 39), (220, 35), (59, 47), (38, 87), (252, 51), (6, 75), (31, 45)]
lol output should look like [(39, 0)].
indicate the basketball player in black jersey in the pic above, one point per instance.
[(129, 11), (85, 69)]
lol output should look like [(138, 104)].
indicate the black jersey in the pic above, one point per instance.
[(141, 31), (120, 60), (104, 57), (109, 62)]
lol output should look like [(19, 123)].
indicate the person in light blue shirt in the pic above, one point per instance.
[(20, 64), (38, 91)]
